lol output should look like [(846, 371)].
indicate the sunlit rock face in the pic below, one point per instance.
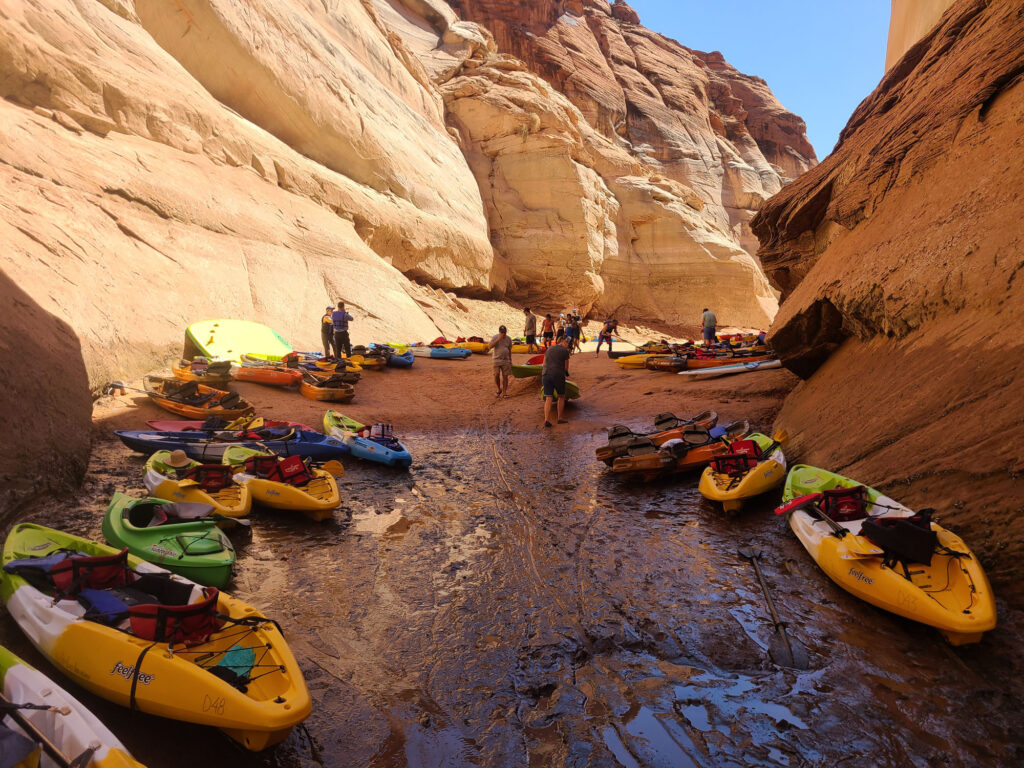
[(900, 263), (698, 147), (167, 162)]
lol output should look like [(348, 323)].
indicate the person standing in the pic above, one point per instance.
[(327, 331), (340, 320), (501, 354), (553, 376), (611, 325), (530, 330), (708, 322), (560, 326), (547, 329), (572, 332)]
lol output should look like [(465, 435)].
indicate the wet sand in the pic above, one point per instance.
[(506, 602)]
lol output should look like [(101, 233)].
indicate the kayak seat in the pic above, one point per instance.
[(146, 515), (845, 504), (619, 435), (230, 400), (188, 624), (903, 539), (664, 421), (733, 464), (641, 446), (211, 477), (695, 436)]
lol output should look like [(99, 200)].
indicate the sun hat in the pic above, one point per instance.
[(178, 459)]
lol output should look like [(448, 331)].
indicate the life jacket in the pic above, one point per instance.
[(292, 470), (845, 504), (210, 477)]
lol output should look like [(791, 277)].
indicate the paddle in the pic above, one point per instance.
[(855, 545), (783, 650), (335, 467)]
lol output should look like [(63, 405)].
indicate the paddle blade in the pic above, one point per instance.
[(787, 652), (334, 467), (780, 436)]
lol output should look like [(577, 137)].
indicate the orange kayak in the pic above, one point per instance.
[(645, 461), (329, 388), (195, 401), (619, 437), (272, 375), (185, 371)]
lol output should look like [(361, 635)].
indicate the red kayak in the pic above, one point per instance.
[(189, 426)]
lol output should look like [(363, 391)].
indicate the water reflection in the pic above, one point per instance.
[(508, 603)]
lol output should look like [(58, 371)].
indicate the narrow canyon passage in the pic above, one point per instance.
[(508, 603)]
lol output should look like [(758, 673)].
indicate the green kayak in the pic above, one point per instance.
[(526, 371), (180, 537), (337, 420), (572, 391)]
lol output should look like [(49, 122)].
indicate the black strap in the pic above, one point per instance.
[(135, 677)]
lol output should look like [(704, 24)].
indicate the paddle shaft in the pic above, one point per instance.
[(780, 627)]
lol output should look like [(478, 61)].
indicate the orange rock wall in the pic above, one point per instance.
[(900, 260)]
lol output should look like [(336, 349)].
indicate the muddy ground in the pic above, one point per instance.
[(507, 602)]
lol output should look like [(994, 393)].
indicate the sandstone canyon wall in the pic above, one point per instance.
[(901, 259), (909, 21), (665, 152)]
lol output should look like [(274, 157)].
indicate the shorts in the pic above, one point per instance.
[(709, 334), (504, 366), (552, 385), (549, 335), (531, 339)]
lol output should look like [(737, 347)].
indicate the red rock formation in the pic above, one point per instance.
[(688, 114), (900, 258)]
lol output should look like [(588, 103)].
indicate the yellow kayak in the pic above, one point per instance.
[(268, 478), (166, 478), (882, 552), (636, 361), (153, 640), (752, 466)]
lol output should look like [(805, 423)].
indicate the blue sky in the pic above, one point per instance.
[(820, 57)]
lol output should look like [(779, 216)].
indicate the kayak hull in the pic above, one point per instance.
[(273, 377), (729, 370), (227, 339), (108, 661), (198, 446), (962, 610), (526, 371)]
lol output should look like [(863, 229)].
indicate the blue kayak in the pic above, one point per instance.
[(395, 360), (441, 353), (210, 446), (388, 451)]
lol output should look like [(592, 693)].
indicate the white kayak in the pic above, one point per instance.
[(59, 717), (726, 370)]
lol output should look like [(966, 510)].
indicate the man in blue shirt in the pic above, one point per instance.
[(340, 318)]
